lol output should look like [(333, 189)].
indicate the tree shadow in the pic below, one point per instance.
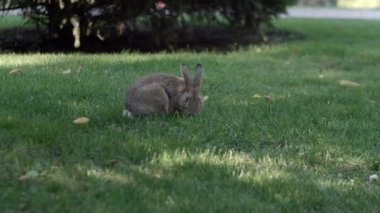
[(185, 185)]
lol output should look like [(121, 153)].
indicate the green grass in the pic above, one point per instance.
[(311, 148), (9, 22)]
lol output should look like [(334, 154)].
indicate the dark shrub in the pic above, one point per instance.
[(79, 19)]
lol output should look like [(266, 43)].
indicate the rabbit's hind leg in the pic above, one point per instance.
[(151, 98)]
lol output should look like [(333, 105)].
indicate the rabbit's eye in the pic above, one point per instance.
[(186, 103)]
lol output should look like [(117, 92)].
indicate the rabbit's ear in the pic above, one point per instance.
[(186, 76), (198, 76)]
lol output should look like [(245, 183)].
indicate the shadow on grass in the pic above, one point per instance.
[(187, 185)]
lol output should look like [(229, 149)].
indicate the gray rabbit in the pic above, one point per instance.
[(165, 94)]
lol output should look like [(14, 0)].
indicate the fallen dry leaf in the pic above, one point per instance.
[(81, 120), (66, 72), (256, 96), (112, 162), (29, 175), (268, 97), (15, 72), (349, 83), (320, 74)]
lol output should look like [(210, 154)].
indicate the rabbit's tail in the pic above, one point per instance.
[(127, 114)]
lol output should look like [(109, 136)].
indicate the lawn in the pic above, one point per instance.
[(278, 132), (9, 22)]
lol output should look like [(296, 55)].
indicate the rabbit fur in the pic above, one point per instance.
[(165, 94)]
